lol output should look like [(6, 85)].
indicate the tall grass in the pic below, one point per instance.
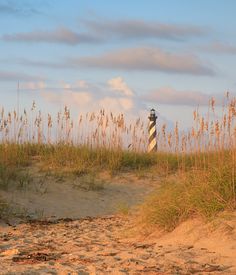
[(202, 158), (192, 194)]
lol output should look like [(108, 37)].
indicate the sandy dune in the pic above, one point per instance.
[(102, 246), (77, 198), (65, 242)]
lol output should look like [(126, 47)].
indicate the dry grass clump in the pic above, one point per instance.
[(196, 193)]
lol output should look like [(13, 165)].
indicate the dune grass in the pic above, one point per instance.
[(187, 189), (198, 166), (79, 159), (196, 193)]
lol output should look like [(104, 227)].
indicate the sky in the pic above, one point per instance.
[(124, 56)]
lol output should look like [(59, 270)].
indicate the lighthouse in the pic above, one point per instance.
[(152, 141)]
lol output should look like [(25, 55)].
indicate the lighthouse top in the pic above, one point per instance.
[(152, 115)]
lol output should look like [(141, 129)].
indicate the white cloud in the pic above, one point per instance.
[(126, 103), (170, 96), (59, 36), (145, 59), (10, 76), (96, 97), (142, 29), (32, 85), (121, 104), (133, 59), (68, 97), (82, 84), (77, 85), (117, 96), (97, 31), (219, 47), (77, 98), (119, 85)]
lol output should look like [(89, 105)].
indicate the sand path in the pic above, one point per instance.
[(98, 246), (69, 243), (79, 197)]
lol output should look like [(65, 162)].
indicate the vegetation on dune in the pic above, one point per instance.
[(198, 166), (192, 194)]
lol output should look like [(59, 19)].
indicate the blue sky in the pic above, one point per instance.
[(128, 56)]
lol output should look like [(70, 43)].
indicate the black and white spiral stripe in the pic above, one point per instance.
[(152, 146)]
